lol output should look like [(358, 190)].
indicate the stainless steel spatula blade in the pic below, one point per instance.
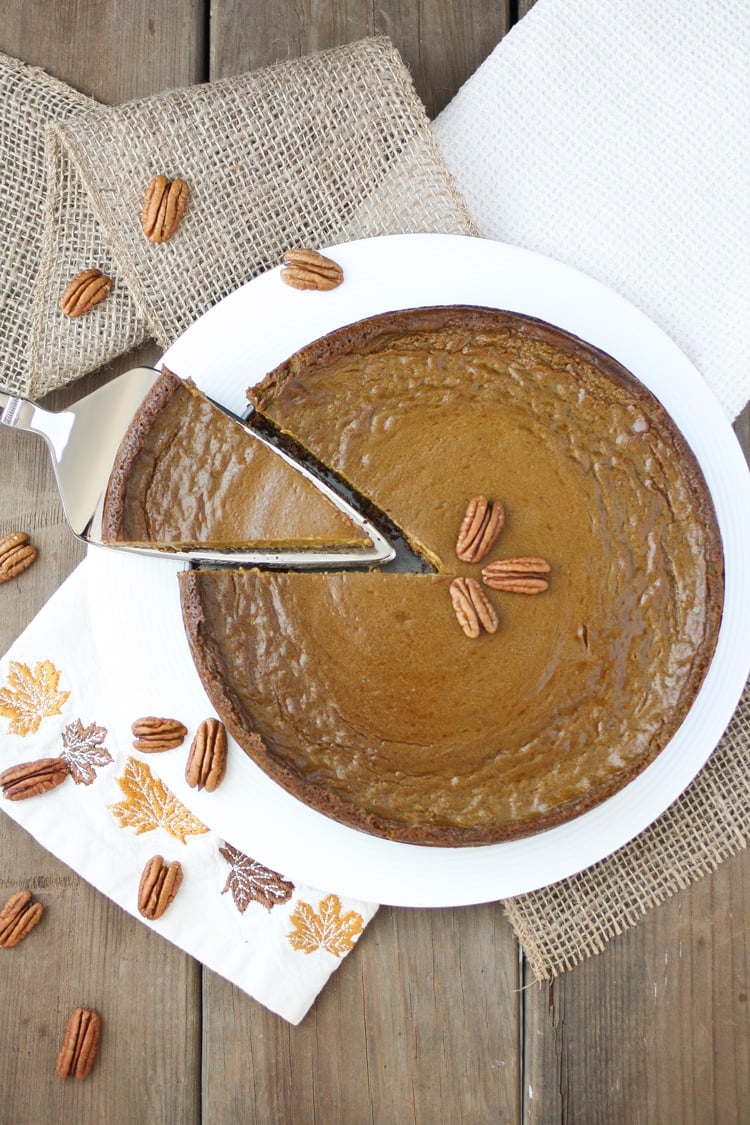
[(83, 440)]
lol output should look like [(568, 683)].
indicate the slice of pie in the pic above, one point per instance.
[(188, 475)]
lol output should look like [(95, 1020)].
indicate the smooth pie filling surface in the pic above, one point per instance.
[(188, 475), (361, 694)]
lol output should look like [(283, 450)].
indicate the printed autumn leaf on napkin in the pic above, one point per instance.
[(31, 696), (325, 928), (149, 804), (249, 881), (83, 751)]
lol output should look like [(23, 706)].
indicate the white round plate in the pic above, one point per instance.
[(135, 605)]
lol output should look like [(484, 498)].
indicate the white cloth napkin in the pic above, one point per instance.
[(277, 941), (615, 137)]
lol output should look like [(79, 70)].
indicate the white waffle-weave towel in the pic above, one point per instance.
[(616, 138)]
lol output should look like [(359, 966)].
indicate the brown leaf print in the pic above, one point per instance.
[(149, 804), (325, 928), (84, 750), (31, 696), (249, 881)]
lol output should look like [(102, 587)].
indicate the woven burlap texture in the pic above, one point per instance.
[(565, 923), (314, 151), (29, 101)]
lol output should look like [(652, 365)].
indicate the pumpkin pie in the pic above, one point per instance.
[(362, 694)]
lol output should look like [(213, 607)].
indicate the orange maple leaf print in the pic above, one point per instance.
[(325, 928), (31, 696), (149, 804)]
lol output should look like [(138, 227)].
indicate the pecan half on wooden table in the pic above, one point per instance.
[(80, 1044)]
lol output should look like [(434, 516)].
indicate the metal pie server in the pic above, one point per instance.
[(83, 442)]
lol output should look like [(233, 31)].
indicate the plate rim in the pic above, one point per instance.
[(513, 867)]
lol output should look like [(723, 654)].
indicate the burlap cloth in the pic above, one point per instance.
[(319, 150), (566, 922), (323, 149)]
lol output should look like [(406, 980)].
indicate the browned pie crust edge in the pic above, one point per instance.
[(130, 448), (364, 333), (210, 665)]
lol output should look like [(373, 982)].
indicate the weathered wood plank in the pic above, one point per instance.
[(655, 1028), (419, 1024), (113, 50), (441, 43), (86, 950)]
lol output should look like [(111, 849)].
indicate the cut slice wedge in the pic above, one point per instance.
[(194, 480)]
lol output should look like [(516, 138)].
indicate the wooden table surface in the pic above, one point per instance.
[(434, 1017)]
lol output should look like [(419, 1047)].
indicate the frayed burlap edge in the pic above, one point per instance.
[(62, 349), (564, 924), (29, 100), (312, 151)]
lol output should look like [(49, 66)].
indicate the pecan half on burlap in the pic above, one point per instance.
[(163, 207), (87, 289)]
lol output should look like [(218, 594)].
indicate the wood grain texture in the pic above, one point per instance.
[(441, 43), (86, 951), (654, 1029), (112, 50), (419, 1025), (432, 1018)]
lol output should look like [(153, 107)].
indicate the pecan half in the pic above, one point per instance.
[(163, 207), (80, 1044), (517, 576), (30, 779), (307, 269), (87, 289), (474, 612), (159, 884), (480, 528), (207, 761), (16, 554), (153, 735), (18, 918)]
